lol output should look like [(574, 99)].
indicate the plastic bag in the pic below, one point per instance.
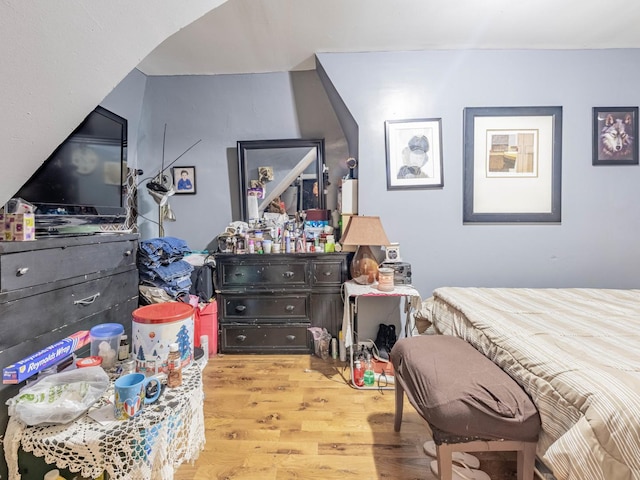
[(321, 341), (59, 398)]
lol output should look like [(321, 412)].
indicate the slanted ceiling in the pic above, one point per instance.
[(60, 59)]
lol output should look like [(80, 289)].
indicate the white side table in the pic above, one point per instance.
[(354, 291)]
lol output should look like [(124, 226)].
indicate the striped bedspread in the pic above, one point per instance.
[(577, 353)]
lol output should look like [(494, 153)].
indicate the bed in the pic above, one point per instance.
[(576, 352)]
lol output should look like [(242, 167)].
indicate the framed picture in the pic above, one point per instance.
[(414, 153), (184, 180), (512, 164), (615, 135)]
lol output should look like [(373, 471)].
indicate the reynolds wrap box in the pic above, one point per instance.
[(51, 355), (17, 227)]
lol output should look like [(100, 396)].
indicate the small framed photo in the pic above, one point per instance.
[(184, 180), (414, 153), (615, 135)]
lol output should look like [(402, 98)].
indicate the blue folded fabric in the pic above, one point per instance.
[(163, 248), (160, 264), (169, 272)]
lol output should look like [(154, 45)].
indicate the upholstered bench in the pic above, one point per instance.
[(470, 404)]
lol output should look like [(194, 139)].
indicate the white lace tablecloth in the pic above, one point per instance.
[(149, 446)]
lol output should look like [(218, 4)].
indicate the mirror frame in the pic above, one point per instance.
[(246, 146)]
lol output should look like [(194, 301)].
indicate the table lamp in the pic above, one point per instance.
[(363, 232)]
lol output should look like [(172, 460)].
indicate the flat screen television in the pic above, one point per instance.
[(83, 181)]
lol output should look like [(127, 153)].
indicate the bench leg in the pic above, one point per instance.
[(526, 461), (399, 406), (526, 454), (444, 453)]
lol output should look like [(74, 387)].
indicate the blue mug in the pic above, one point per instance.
[(131, 394)]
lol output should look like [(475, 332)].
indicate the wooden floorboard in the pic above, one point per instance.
[(290, 417)]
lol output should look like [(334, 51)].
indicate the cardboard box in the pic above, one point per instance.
[(17, 227), (317, 215), (46, 357), (349, 202)]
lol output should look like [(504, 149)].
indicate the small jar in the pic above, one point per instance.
[(94, 361), (123, 349), (385, 279)]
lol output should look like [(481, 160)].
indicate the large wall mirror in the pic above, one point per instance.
[(288, 170)]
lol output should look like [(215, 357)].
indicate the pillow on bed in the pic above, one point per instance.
[(460, 391)]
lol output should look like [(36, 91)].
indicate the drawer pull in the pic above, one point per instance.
[(288, 274), (22, 271), (290, 308), (241, 308), (327, 273), (241, 338), (291, 338), (239, 274), (128, 253), (88, 300)]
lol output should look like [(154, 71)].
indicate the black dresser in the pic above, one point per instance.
[(266, 303), (53, 287)]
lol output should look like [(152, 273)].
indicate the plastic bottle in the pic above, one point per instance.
[(369, 376), (174, 367), (252, 247), (342, 347), (204, 343), (330, 245), (358, 373), (287, 242)]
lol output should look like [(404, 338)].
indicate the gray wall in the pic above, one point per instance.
[(126, 101), (220, 110), (597, 243)]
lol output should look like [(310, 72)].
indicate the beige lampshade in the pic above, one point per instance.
[(363, 230)]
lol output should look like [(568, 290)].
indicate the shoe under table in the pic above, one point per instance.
[(470, 404)]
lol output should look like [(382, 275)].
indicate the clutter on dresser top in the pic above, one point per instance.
[(310, 231)]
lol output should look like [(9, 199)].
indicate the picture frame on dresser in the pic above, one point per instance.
[(615, 136), (512, 164)]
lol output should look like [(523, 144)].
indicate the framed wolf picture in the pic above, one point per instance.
[(615, 135)]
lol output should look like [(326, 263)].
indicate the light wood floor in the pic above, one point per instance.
[(285, 417)]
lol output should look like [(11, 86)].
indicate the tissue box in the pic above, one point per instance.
[(17, 227)]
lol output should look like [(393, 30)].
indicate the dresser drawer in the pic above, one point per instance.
[(37, 314), (265, 338), (328, 273), (263, 275), (27, 269), (269, 308)]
